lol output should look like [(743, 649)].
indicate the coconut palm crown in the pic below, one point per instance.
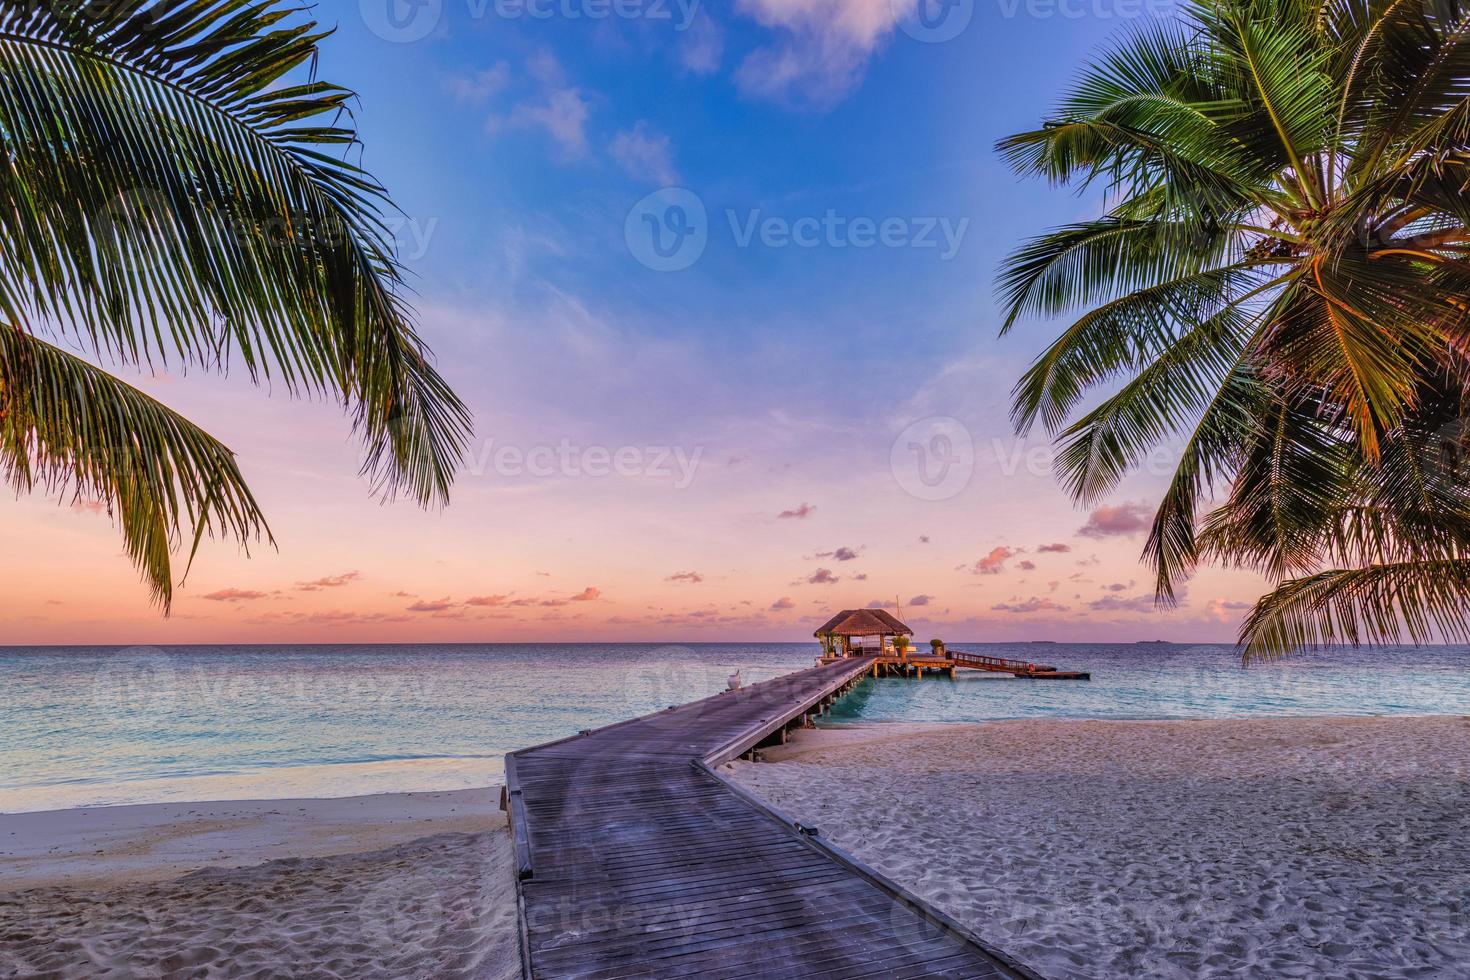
[(1280, 294), (177, 192)]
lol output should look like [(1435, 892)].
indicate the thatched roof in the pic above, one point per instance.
[(864, 622)]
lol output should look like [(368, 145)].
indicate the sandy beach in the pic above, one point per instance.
[(1263, 848), (401, 885)]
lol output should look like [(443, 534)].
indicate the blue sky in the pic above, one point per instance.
[(851, 212)]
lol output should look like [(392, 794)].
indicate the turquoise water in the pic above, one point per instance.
[(90, 726)]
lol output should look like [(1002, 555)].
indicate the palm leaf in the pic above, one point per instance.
[(175, 189), (69, 427)]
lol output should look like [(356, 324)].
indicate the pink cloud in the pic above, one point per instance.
[(821, 50), (1226, 611), (487, 600), (329, 582), (1028, 566), (1122, 520), (1031, 605), (692, 578), (589, 594), (437, 605), (235, 595), (921, 600), (995, 562), (841, 554), (1056, 549), (782, 604), (800, 513), (822, 576)]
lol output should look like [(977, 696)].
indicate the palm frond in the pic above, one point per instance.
[(176, 186), (1380, 604), (68, 427)]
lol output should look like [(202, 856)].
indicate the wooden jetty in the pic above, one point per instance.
[(881, 636), (636, 859)]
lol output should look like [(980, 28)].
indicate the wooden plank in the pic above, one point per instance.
[(636, 859)]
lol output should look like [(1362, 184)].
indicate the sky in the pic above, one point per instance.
[(717, 283)]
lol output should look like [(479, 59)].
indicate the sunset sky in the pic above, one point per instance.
[(803, 408)]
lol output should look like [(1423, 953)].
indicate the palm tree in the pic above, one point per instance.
[(174, 191), (1281, 291)]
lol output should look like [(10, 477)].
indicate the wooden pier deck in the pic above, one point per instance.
[(636, 860), (917, 664)]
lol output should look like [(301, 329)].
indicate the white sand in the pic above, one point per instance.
[(405, 885), (1262, 848)]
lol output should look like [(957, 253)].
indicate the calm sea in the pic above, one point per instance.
[(91, 726)]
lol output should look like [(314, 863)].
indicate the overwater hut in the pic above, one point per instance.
[(860, 632)]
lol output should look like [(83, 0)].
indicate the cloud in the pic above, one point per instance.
[(1113, 603), (800, 513), (822, 576), (1054, 549), (557, 108), (1119, 521), (487, 600), (701, 44), (589, 594), (995, 562), (1028, 566), (693, 578), (860, 577), (1031, 605), (235, 595), (1225, 611), (329, 582), (645, 154), (477, 87), (921, 600), (822, 48), (438, 605), (924, 539), (782, 604), (841, 554), (1116, 587)]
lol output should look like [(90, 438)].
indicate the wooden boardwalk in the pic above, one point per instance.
[(636, 860)]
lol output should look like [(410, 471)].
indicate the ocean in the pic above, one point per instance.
[(89, 726)]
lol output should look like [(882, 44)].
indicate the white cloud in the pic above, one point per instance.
[(824, 50), (702, 45), (558, 108), (478, 87), (562, 114), (645, 154)]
